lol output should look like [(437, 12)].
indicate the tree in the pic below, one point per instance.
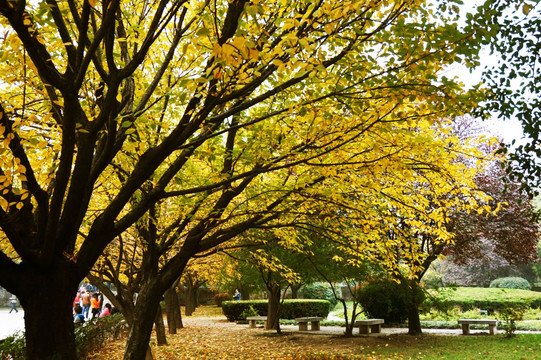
[(514, 81), (112, 110)]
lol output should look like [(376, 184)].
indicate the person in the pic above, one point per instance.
[(106, 310), (13, 302), (85, 302), (78, 317), (95, 305), (77, 299), (237, 295)]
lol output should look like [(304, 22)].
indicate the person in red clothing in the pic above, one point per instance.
[(95, 305)]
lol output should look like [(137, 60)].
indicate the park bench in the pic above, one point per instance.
[(369, 325), (252, 320), (313, 320), (492, 324)]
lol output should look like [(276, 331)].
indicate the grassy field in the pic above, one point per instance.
[(522, 346)]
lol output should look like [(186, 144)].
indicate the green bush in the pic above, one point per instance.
[(291, 309), (88, 337), (490, 299), (388, 300), (319, 291), (511, 283), (13, 347)]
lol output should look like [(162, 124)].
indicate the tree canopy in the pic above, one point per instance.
[(232, 115)]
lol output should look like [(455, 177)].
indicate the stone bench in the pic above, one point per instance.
[(369, 325), (313, 320), (252, 320), (492, 324)]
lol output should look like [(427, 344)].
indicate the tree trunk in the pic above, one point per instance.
[(413, 302), (295, 291), (160, 328), (191, 299), (350, 323), (47, 300), (141, 329), (172, 309), (414, 322), (273, 313)]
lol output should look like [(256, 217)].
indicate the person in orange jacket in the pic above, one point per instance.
[(95, 305)]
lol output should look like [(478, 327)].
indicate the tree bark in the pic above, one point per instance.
[(141, 329), (413, 302), (172, 309), (191, 299), (47, 300), (274, 305), (160, 327)]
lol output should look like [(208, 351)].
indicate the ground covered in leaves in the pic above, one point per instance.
[(215, 338)]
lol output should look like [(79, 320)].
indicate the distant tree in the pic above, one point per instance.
[(515, 82)]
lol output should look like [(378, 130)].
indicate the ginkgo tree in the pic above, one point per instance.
[(235, 109)]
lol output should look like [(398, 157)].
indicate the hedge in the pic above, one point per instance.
[(291, 309), (511, 283), (491, 299)]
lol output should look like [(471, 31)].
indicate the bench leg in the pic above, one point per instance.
[(364, 329), (252, 324), (466, 329), (376, 328), (491, 329), (303, 326), (314, 326)]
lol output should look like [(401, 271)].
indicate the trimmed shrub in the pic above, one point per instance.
[(511, 283), (221, 297), (388, 300), (319, 291), (291, 309)]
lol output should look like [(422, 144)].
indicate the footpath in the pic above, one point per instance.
[(10, 323)]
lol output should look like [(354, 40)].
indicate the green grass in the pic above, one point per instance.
[(522, 346), (489, 294)]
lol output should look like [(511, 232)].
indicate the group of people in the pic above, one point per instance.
[(88, 304)]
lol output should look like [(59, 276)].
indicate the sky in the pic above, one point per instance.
[(507, 130)]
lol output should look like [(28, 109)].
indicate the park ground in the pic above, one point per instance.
[(213, 337)]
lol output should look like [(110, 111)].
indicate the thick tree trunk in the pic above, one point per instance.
[(141, 329), (191, 299), (160, 327), (47, 300), (414, 322), (273, 314), (172, 309), (414, 301)]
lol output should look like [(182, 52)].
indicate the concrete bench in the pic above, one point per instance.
[(252, 320), (492, 324), (369, 325), (313, 320)]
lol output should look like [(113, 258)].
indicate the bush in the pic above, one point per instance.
[(94, 333), (388, 300), (88, 337), (511, 283), (13, 347), (319, 291), (221, 297), (291, 309)]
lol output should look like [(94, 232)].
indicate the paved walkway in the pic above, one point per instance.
[(10, 323)]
